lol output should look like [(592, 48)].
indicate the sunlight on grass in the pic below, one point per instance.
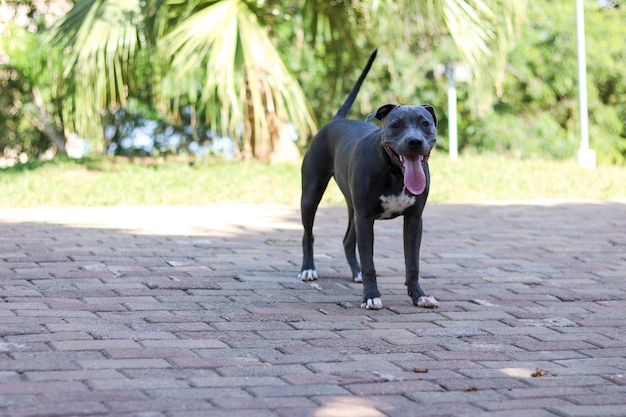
[(104, 182), (488, 177)]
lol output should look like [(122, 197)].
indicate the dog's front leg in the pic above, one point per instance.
[(412, 243), (365, 243)]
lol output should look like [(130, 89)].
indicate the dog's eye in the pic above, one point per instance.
[(395, 125), (425, 123)]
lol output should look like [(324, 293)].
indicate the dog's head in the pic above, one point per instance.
[(408, 134)]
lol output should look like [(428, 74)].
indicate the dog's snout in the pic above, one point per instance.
[(415, 143)]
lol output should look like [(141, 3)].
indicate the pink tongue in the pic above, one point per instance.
[(414, 177)]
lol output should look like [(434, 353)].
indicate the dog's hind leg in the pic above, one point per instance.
[(349, 246), (313, 187)]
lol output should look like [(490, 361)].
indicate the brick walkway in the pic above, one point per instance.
[(196, 311)]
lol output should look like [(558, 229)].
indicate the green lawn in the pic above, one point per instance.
[(103, 182)]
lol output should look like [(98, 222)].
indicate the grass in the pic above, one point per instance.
[(105, 182)]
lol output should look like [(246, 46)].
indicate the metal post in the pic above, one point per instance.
[(586, 156), (452, 123)]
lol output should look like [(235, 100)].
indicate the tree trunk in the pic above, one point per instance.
[(45, 125)]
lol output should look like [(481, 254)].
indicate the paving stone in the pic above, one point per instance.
[(587, 400), (132, 384), (263, 370), (72, 375), (61, 408), (307, 390), (463, 397), (546, 403), (221, 381), (230, 394), (113, 311), (229, 413), (142, 407), (81, 345), (392, 387), (590, 410), (124, 363), (42, 387)]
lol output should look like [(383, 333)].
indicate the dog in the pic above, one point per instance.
[(383, 173)]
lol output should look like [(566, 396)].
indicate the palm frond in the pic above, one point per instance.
[(224, 62), (484, 32), (471, 27), (101, 38)]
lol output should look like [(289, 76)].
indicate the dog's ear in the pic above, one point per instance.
[(382, 112), (431, 110)]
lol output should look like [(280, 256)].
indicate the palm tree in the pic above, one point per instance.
[(225, 64), (217, 56), (222, 62), (101, 39)]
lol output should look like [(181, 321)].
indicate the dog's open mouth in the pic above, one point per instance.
[(412, 167)]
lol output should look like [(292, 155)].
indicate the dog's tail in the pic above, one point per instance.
[(342, 113)]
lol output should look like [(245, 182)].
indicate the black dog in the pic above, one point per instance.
[(383, 173)]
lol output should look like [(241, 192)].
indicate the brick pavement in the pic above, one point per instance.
[(196, 311)]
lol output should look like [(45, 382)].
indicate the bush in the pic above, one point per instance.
[(521, 137)]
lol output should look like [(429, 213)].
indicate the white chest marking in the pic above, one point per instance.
[(394, 205)]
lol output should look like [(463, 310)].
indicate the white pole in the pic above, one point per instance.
[(586, 156), (452, 123)]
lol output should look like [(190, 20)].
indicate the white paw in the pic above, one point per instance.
[(373, 304), (308, 275), (427, 301), (358, 278)]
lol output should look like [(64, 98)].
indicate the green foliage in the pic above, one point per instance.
[(538, 112), (233, 76), (27, 65), (11, 117), (607, 106), (154, 58), (102, 39), (539, 136)]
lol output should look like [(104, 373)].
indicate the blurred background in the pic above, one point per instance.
[(254, 79)]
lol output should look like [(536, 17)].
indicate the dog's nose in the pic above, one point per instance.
[(415, 143)]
